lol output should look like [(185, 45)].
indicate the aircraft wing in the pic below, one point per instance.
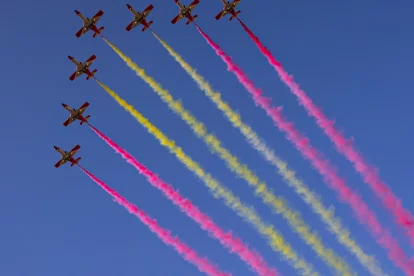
[(194, 4), (98, 16), (60, 163), (74, 61), (236, 2), (68, 121), (132, 25), (58, 149), (221, 14), (90, 60), (83, 107), (78, 13), (75, 75), (74, 150), (148, 10), (177, 18), (81, 32)]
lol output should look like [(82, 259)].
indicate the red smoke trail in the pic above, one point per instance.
[(403, 217), (233, 244), (189, 254), (365, 215)]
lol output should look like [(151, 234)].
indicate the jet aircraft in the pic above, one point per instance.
[(67, 156), (185, 11), (229, 9), (76, 114), (140, 18), (83, 67), (89, 24)]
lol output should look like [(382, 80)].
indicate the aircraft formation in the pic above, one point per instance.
[(365, 215), (89, 24)]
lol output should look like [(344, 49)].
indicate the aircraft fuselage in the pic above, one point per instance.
[(185, 11), (74, 113), (230, 6), (83, 68), (139, 17), (89, 23), (65, 155)]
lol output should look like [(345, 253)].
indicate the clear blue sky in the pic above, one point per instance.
[(354, 59)]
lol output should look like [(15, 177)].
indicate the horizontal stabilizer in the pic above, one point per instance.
[(232, 16), (149, 24), (76, 161), (92, 73), (189, 20), (86, 118), (98, 32)]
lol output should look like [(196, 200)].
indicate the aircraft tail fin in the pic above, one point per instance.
[(149, 24), (189, 20), (86, 118), (232, 16), (93, 74), (76, 161), (98, 32)]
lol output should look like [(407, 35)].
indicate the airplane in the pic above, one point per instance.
[(67, 156), (185, 11), (139, 18), (76, 114), (89, 24), (229, 9), (83, 67)]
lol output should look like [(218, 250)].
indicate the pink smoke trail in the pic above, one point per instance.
[(233, 244), (402, 217), (366, 216), (188, 253)]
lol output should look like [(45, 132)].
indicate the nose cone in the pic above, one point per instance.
[(64, 105), (77, 12), (129, 6), (70, 57), (56, 148)]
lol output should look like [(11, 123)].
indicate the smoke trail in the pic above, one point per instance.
[(186, 252), (391, 202), (275, 239), (333, 223), (234, 245), (366, 216), (278, 205)]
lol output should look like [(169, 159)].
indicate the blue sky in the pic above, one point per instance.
[(354, 59)]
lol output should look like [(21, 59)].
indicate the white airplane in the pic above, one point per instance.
[(89, 24), (140, 18), (229, 9), (83, 67), (67, 156), (185, 11), (76, 114)]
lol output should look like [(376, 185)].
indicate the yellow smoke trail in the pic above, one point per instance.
[(278, 205), (275, 239), (312, 199)]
